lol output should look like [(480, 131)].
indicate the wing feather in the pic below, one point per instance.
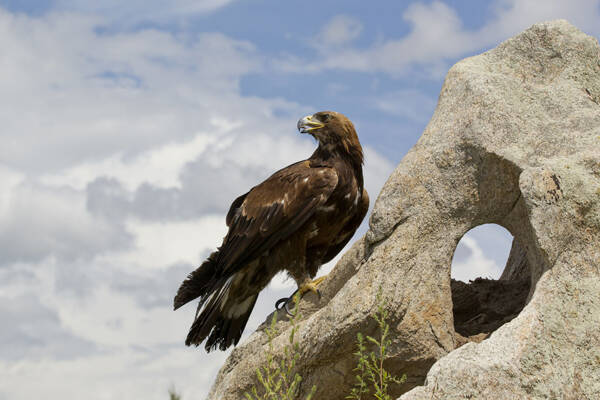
[(234, 209), (272, 211)]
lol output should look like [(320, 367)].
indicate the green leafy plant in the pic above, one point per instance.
[(372, 377), (173, 395), (280, 380)]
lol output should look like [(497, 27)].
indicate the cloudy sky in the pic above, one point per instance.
[(128, 127)]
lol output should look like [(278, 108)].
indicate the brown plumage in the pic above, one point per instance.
[(296, 220)]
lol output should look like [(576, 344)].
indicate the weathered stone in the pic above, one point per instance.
[(514, 140)]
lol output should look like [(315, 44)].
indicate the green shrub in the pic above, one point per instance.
[(372, 377), (280, 380), (173, 395)]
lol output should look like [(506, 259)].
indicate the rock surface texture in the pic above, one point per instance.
[(515, 140)]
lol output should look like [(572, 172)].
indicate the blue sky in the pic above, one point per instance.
[(127, 128)]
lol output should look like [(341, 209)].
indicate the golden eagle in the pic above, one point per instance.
[(296, 220)]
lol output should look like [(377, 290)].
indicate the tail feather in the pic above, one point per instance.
[(221, 316), (222, 320), (198, 283)]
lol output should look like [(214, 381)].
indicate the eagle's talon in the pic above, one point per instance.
[(287, 310), (284, 303), (311, 286), (279, 304)]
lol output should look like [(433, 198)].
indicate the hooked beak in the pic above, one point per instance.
[(308, 124)]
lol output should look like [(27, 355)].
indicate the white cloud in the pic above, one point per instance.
[(482, 252), (340, 30), (122, 374), (475, 265), (113, 320), (106, 339), (9, 179), (23, 318), (39, 221), (438, 36), (136, 11), (82, 96), (159, 166), (513, 16), (159, 244), (376, 170), (409, 104)]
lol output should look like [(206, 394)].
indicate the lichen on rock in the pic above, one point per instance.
[(514, 140)]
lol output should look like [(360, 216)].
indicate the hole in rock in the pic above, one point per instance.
[(487, 292)]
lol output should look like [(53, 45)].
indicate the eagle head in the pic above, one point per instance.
[(334, 132)]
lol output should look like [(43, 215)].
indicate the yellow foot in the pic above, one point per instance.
[(311, 287)]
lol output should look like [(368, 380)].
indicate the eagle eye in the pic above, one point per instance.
[(325, 117)]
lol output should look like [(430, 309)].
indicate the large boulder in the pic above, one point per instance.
[(514, 140)]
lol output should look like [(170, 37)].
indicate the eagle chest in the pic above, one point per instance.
[(331, 218)]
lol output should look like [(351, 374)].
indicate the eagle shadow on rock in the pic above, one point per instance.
[(296, 220)]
